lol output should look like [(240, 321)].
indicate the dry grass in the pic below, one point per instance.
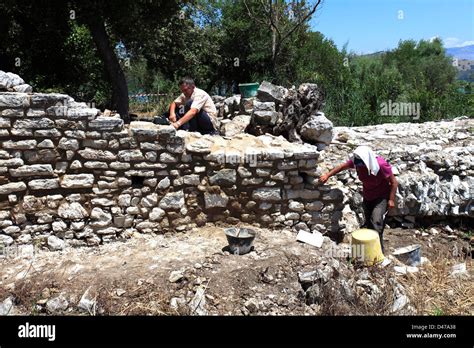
[(338, 302), (145, 299), (433, 292), (28, 292)]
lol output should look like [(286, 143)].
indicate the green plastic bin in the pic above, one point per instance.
[(248, 90)]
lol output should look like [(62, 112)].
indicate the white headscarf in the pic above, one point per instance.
[(369, 158)]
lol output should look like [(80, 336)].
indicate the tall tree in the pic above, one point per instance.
[(131, 22), (39, 31), (31, 37), (284, 18)]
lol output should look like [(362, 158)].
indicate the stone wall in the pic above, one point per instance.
[(432, 161), (70, 175)]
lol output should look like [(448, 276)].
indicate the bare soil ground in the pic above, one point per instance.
[(133, 277)]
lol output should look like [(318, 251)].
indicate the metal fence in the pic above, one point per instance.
[(149, 102)]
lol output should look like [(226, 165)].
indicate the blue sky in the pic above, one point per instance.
[(373, 25)]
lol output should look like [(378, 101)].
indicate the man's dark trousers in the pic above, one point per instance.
[(375, 212), (201, 122)]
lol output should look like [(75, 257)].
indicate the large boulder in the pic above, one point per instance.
[(266, 117), (73, 211), (215, 200), (263, 106), (24, 88), (268, 92), (309, 93), (12, 82), (235, 126), (55, 243), (318, 129), (231, 106), (246, 105), (227, 107)]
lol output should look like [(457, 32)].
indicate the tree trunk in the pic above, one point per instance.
[(274, 36), (113, 68), (274, 41)]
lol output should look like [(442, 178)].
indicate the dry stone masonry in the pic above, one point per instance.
[(433, 163), (71, 176), (14, 83)]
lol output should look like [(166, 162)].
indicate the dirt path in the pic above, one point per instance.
[(166, 274), (146, 262)]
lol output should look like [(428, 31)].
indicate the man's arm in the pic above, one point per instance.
[(323, 178), (393, 191), (187, 116), (173, 111)]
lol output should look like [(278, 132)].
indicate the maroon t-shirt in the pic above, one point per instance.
[(374, 186)]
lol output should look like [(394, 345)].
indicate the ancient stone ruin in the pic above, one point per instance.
[(433, 161), (73, 176)]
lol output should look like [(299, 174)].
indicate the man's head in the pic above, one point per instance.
[(186, 85)]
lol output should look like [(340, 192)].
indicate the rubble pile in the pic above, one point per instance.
[(433, 163), (11, 82), (293, 113)]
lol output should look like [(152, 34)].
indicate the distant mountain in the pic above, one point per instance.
[(375, 54), (368, 55), (466, 52)]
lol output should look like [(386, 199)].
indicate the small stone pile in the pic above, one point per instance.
[(13, 83), (233, 114), (295, 114), (352, 289)]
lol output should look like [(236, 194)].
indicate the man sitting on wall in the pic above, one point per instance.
[(193, 110)]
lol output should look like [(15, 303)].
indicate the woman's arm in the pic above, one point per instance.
[(393, 191), (323, 178)]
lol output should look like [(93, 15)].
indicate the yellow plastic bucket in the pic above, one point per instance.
[(366, 247)]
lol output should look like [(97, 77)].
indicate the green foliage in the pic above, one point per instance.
[(438, 311), (245, 48), (90, 83), (31, 40), (220, 44), (56, 49), (411, 73)]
